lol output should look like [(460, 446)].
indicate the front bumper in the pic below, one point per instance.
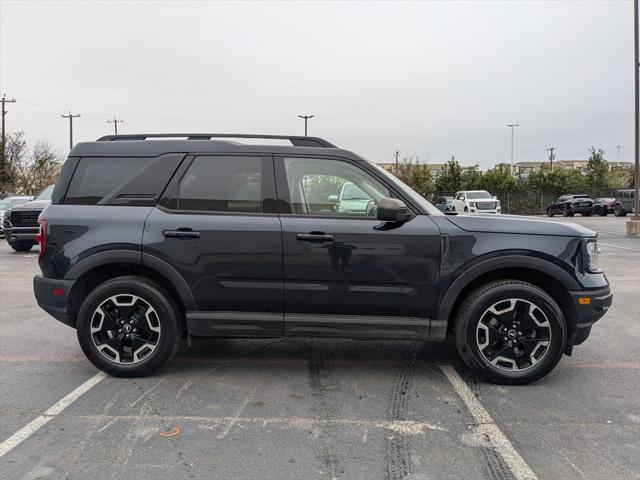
[(590, 306), (20, 234), (52, 295)]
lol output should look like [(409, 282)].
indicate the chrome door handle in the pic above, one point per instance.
[(314, 237)]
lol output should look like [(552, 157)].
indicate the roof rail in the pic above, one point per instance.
[(296, 141)]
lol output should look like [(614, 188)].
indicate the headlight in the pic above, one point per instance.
[(593, 255)]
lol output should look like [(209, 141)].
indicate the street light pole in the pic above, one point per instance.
[(633, 227), (512, 126), (305, 117)]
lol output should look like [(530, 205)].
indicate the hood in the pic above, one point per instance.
[(32, 205), (519, 225)]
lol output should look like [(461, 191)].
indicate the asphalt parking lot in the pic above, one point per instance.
[(293, 409)]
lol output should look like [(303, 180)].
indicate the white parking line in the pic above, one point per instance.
[(487, 427), (617, 246), (31, 427)]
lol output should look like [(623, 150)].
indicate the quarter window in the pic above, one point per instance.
[(221, 184)]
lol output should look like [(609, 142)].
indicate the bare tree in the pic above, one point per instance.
[(30, 171)]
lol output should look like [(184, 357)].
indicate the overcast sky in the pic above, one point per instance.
[(433, 79)]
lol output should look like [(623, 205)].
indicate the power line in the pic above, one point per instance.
[(71, 116), (115, 122)]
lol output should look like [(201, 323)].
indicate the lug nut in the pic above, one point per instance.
[(120, 330), (135, 330), (131, 322)]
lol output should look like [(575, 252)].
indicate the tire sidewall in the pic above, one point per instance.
[(167, 316), (522, 291)]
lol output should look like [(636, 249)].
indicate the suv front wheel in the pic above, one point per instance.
[(128, 327), (511, 332)]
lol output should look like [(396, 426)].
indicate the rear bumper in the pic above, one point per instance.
[(55, 305), (590, 306)]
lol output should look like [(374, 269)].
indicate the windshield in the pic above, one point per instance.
[(45, 194), (483, 194), (414, 196)]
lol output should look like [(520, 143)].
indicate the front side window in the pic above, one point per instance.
[(331, 187), (221, 184)]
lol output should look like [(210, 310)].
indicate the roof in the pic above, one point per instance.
[(143, 145)]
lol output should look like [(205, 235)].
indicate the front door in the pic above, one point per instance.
[(218, 227), (345, 272)]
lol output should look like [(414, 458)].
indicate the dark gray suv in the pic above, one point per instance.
[(150, 238)]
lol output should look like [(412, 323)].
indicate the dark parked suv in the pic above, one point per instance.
[(20, 224), (569, 205), (149, 241)]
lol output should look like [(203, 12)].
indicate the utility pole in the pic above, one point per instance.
[(305, 117), (397, 164), (633, 226), (512, 126), (552, 156), (618, 147), (3, 164), (71, 116), (115, 122)]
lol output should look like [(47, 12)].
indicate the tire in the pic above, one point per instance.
[(466, 210), (618, 211), (549, 212), (566, 212), (159, 328), (473, 328), (21, 246)]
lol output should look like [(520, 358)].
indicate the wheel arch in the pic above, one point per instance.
[(97, 268), (541, 273)]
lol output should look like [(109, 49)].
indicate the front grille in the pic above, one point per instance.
[(24, 218), (486, 205)]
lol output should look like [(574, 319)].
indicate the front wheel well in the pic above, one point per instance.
[(90, 279), (542, 280)]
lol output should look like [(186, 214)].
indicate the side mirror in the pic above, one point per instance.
[(495, 198), (333, 198), (393, 210)]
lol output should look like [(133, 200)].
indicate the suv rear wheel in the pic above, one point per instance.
[(618, 211), (511, 332), (128, 327)]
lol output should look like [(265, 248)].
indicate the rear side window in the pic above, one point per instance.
[(96, 177), (221, 184), (121, 180)]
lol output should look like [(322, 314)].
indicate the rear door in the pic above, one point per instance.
[(345, 272), (218, 227)]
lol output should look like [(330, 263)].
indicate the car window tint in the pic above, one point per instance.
[(315, 186), (95, 177), (221, 184)]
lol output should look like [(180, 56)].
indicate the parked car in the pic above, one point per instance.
[(352, 199), (569, 205), (21, 222), (624, 202), (7, 204), (476, 201), (148, 241), (603, 206), (445, 205)]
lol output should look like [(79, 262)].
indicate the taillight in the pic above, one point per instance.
[(41, 237)]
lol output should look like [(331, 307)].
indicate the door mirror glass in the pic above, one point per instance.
[(333, 198), (392, 210)]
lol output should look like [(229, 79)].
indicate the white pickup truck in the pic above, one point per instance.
[(476, 201)]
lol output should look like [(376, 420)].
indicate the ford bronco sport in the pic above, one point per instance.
[(150, 238)]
